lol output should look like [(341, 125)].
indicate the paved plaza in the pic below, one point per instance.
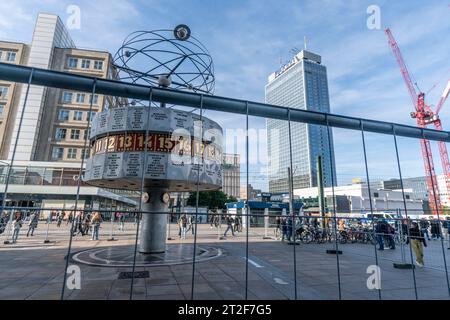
[(34, 270)]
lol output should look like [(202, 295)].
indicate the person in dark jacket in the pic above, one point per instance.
[(381, 230), (283, 229), (417, 239), (436, 229), (424, 225), (289, 228)]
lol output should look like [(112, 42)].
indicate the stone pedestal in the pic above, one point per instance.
[(153, 231)]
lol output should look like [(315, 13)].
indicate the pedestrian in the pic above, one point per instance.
[(95, 222), (59, 218), (448, 230), (191, 224), (50, 217), (34, 219), (380, 231), (17, 224), (289, 229), (86, 222), (284, 229), (417, 239), (78, 224), (424, 225), (237, 224), (122, 221), (182, 224), (229, 226), (390, 235), (436, 229)]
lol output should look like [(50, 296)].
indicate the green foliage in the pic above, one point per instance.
[(211, 199)]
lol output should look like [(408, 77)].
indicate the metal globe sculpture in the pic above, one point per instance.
[(155, 149), (166, 58)]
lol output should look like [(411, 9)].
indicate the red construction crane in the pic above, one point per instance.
[(426, 116)]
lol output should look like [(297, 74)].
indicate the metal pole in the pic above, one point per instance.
[(406, 214), (435, 191), (370, 197), (111, 236), (332, 166), (46, 232), (197, 199), (139, 213), (13, 156), (291, 199), (94, 86), (247, 225)]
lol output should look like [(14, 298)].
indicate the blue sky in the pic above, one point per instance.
[(247, 39)]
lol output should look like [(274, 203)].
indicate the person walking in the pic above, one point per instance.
[(182, 224), (78, 224), (17, 224), (191, 224), (417, 239), (289, 229), (34, 219), (229, 226), (380, 231), (390, 236), (95, 222), (436, 229), (59, 218), (447, 219), (122, 222), (424, 225), (283, 229)]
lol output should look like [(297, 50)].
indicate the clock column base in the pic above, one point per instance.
[(153, 233)]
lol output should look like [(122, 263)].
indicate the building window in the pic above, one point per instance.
[(11, 56), (85, 63), (57, 153), (85, 153), (71, 153), (95, 100), (98, 65), (63, 115), (85, 134), (407, 197), (90, 115), (80, 97), (72, 63), (78, 115), (3, 92), (376, 194), (75, 134), (60, 134), (67, 97), (2, 108)]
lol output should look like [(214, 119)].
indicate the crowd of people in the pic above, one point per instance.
[(410, 232), (81, 222)]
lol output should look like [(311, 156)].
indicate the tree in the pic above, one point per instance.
[(211, 199)]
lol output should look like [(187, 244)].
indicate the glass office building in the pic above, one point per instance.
[(301, 84)]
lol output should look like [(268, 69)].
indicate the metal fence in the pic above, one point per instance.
[(293, 256)]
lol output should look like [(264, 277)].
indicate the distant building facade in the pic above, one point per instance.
[(231, 174), (302, 84), (51, 138), (55, 120)]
